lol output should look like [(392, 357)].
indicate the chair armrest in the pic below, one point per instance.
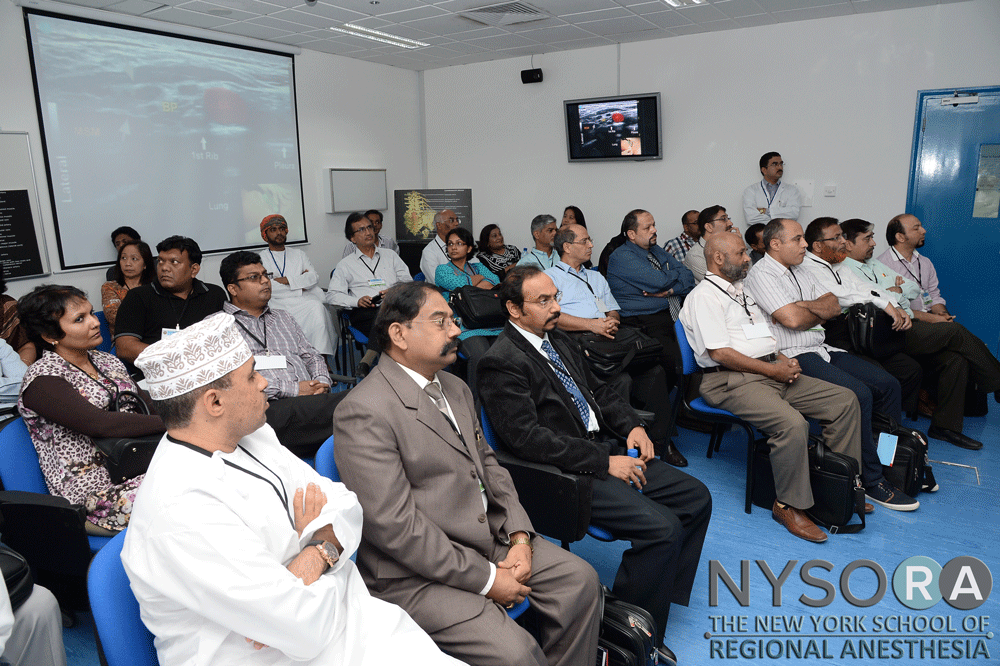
[(557, 502)]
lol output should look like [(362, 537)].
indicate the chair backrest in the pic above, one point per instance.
[(687, 354), (106, 343), (19, 468), (488, 433), (124, 638), (326, 465), (420, 277)]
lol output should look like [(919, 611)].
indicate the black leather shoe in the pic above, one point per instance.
[(666, 656), (956, 438), (669, 454)]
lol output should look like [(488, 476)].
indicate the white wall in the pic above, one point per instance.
[(351, 114), (835, 96)]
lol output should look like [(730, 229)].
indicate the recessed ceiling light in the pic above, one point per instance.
[(684, 3), (378, 36)]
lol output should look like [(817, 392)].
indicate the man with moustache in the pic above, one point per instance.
[(713, 220), (435, 252), (444, 534), (175, 300), (798, 305), (588, 306), (771, 199), (543, 230), (546, 406), (294, 286), (300, 405), (647, 283), (945, 350), (388, 242), (745, 374)]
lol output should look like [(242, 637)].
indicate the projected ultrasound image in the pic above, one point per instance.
[(168, 135), (610, 129)]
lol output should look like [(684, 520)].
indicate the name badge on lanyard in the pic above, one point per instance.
[(376, 283), (599, 302), (167, 332), (927, 299), (270, 361), (754, 331)]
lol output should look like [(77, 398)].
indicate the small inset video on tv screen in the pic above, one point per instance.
[(609, 129)]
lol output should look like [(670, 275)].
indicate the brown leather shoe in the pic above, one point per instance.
[(869, 507), (797, 522)]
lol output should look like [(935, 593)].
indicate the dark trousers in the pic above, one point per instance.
[(666, 525), (473, 348), (660, 325), (645, 387), (875, 388), (953, 356), (362, 319), (303, 423), (909, 372)]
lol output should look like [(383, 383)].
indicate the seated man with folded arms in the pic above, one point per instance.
[(295, 285), (543, 255), (365, 275), (945, 350), (175, 300), (745, 374), (445, 536), (713, 220), (587, 305), (797, 306), (237, 551), (300, 405), (547, 407)]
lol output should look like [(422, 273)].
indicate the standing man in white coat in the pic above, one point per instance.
[(238, 552), (771, 199), (294, 287)]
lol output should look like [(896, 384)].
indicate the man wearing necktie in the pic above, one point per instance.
[(444, 535), (546, 406)]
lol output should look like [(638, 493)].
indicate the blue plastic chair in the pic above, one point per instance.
[(122, 636), (20, 470), (326, 466), (717, 417), (107, 345), (420, 277)]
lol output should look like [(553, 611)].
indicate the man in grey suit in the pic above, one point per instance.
[(444, 535)]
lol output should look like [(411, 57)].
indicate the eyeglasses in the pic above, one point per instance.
[(778, 164), (455, 244), (835, 239), (256, 277), (546, 301), (368, 228), (585, 241), (441, 322), (724, 218)]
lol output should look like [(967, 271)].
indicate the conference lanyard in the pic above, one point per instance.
[(251, 334), (468, 276), (583, 280), (284, 262), (743, 304), (777, 185), (282, 494), (830, 268), (792, 273), (907, 267), (369, 267), (542, 258)]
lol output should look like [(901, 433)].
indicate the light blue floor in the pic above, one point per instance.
[(959, 520)]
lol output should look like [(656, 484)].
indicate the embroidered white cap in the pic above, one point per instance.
[(193, 357)]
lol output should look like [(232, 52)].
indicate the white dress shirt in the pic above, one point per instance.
[(358, 275)]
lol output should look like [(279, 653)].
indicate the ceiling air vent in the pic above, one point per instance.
[(505, 13)]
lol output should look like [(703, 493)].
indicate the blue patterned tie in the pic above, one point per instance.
[(567, 381)]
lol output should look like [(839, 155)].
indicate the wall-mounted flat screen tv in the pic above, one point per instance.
[(603, 129)]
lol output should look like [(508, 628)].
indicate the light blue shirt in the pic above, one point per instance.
[(13, 369), (581, 291), (535, 257)]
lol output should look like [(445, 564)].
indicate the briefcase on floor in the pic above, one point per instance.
[(628, 633), (836, 485), (911, 469)]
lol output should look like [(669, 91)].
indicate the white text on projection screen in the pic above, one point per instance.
[(165, 134)]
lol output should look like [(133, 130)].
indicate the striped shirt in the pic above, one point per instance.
[(773, 287)]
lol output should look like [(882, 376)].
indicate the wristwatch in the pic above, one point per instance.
[(327, 550), (523, 540)]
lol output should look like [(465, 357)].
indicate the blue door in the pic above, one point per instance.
[(954, 135)]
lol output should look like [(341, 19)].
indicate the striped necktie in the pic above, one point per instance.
[(567, 381)]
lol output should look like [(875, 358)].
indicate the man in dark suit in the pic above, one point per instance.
[(546, 406), (444, 535)]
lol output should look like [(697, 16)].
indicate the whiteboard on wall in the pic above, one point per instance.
[(350, 190), (22, 241)]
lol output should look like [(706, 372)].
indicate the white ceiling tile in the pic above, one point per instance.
[(446, 24), (184, 17), (534, 25), (217, 10), (619, 26), (134, 7), (649, 7), (420, 12), (814, 13), (561, 7), (331, 46), (561, 33), (250, 30), (295, 40), (655, 33), (254, 6), (668, 19), (885, 5), (739, 8), (93, 4), (383, 7), (461, 48), (280, 24), (701, 13), (373, 22), (502, 42), (785, 5), (322, 10), (599, 15), (581, 43), (754, 21), (523, 51), (689, 29)]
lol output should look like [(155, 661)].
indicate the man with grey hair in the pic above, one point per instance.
[(237, 551), (543, 230), (436, 252)]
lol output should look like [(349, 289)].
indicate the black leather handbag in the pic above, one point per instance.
[(608, 357), (911, 468), (478, 308), (870, 330), (17, 576), (127, 457)]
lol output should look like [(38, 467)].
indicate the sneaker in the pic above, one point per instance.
[(883, 493), (929, 484)]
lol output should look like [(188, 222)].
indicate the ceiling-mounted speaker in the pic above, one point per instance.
[(531, 75)]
